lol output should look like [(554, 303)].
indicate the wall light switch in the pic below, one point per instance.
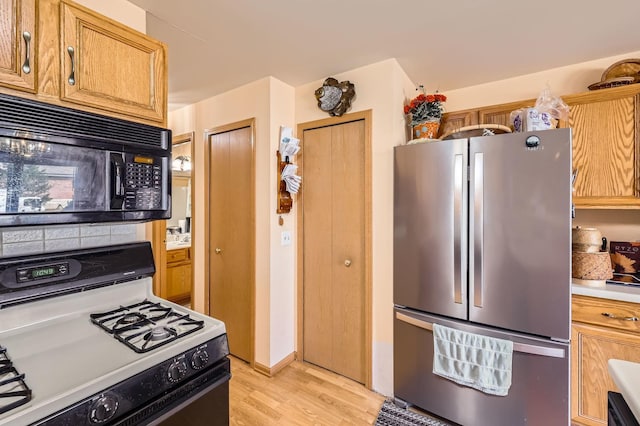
[(285, 238)]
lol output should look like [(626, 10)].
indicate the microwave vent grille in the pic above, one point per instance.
[(26, 115)]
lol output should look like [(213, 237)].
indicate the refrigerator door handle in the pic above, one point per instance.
[(517, 347), (477, 278), (459, 275)]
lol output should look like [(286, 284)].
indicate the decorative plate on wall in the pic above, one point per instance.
[(335, 97)]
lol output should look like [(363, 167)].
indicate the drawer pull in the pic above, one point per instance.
[(608, 315)]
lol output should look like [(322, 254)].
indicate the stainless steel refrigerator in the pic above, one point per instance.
[(482, 244)]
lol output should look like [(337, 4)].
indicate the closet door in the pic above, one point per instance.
[(334, 293), (231, 237)]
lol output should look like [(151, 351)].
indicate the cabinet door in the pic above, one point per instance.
[(179, 282), (592, 347), (109, 66), (605, 148), (18, 44), (455, 120), (501, 114)]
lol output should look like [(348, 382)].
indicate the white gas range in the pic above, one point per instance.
[(83, 340)]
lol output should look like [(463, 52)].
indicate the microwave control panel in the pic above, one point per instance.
[(142, 183)]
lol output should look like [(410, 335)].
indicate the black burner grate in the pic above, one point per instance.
[(14, 392), (146, 325)]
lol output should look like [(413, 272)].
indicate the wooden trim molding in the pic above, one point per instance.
[(272, 371), (158, 230)]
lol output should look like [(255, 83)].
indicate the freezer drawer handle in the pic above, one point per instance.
[(518, 347), (613, 316)]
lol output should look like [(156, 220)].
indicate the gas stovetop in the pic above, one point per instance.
[(14, 392), (146, 325), (96, 335)]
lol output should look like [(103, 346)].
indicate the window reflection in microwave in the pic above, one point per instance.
[(29, 188), (38, 177), (41, 177)]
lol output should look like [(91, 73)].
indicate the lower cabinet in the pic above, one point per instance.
[(595, 339), (179, 273)]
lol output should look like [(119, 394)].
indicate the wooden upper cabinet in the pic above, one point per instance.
[(109, 66), (455, 120), (18, 45), (501, 114), (605, 125), (496, 114), (606, 142)]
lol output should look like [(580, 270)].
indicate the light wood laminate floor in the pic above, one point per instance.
[(300, 394)]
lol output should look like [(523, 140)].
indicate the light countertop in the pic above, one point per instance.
[(626, 376), (174, 245), (623, 293)]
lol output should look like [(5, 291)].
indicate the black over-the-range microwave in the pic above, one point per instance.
[(60, 165)]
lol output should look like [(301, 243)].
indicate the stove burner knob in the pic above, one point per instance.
[(199, 359), (103, 409), (177, 371)]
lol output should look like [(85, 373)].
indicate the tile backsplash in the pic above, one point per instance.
[(50, 238)]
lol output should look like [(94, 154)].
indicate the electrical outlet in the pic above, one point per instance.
[(285, 238)]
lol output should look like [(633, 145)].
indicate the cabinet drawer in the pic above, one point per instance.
[(608, 313), (179, 255)]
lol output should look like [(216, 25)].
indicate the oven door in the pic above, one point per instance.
[(618, 412), (202, 401)]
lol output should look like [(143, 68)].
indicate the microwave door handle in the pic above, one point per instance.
[(117, 180)]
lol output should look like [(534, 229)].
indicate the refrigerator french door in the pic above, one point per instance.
[(482, 234)]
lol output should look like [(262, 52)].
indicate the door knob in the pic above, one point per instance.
[(218, 250), (347, 263)]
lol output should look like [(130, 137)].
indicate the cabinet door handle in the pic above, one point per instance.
[(218, 250), (347, 263), (613, 316), (72, 76), (26, 67)]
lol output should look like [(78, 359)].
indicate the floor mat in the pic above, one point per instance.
[(392, 415)]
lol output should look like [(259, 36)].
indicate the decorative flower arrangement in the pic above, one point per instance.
[(425, 107)]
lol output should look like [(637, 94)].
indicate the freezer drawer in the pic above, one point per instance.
[(539, 394)]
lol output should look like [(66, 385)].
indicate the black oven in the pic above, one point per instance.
[(59, 165), (84, 341), (618, 412), (149, 399)]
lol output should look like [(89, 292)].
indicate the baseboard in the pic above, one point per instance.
[(269, 372)]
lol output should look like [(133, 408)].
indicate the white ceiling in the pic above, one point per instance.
[(217, 45)]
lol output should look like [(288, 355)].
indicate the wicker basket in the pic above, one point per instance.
[(591, 266)]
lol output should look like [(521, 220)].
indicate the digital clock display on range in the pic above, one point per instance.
[(41, 272)]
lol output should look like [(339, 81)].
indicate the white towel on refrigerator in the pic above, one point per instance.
[(469, 359)]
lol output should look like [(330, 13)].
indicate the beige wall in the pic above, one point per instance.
[(562, 81), (282, 258), (270, 102), (382, 87)]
